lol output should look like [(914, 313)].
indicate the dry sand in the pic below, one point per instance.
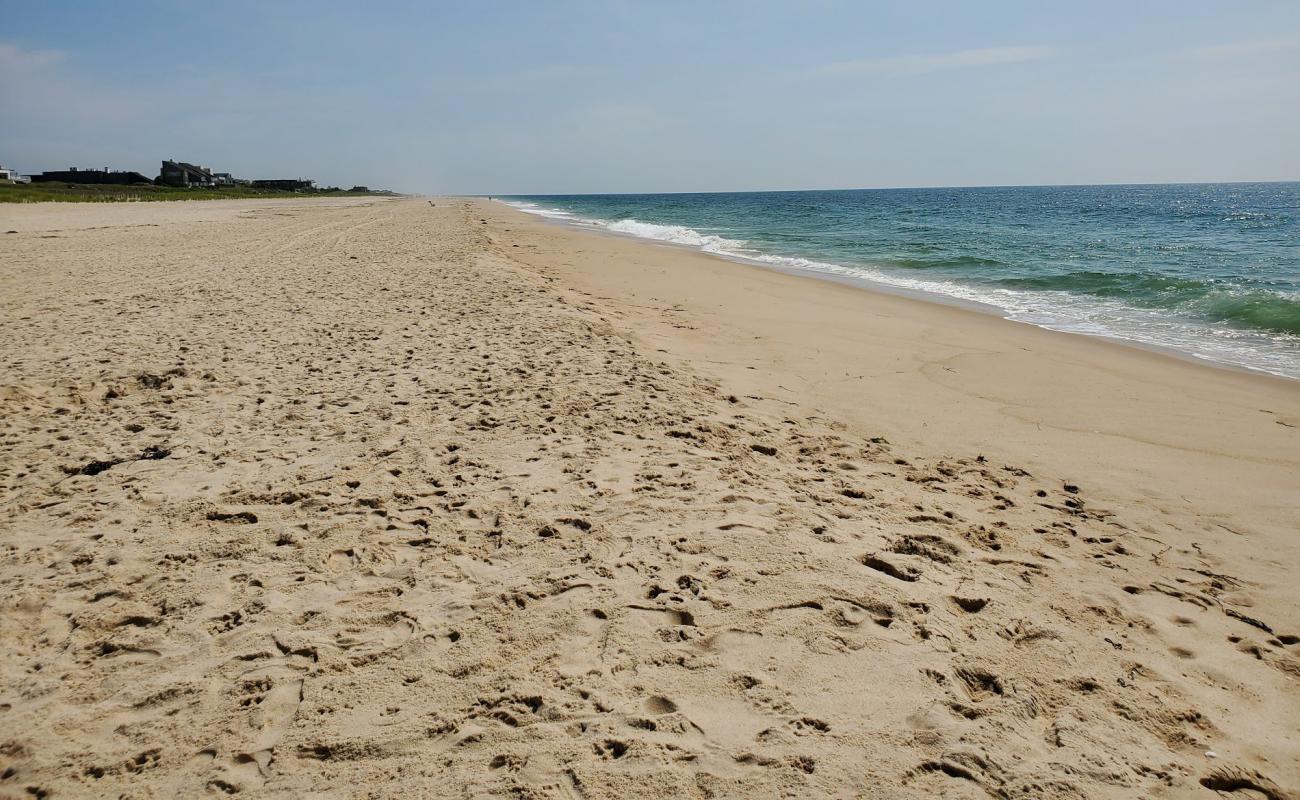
[(377, 499)]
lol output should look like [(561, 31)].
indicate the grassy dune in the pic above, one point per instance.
[(95, 193)]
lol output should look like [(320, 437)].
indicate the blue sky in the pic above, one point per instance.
[(501, 98)]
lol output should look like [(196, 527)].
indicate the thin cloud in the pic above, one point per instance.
[(523, 80), (936, 62), (1221, 52), (15, 58)]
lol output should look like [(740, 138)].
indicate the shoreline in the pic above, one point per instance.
[(916, 295), (336, 497), (868, 283), (1057, 357)]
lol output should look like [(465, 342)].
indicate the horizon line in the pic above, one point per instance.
[(876, 188)]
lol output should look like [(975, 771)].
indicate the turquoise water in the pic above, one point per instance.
[(1209, 270)]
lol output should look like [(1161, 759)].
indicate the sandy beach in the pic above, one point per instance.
[(368, 498)]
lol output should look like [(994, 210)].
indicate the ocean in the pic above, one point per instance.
[(1211, 271)]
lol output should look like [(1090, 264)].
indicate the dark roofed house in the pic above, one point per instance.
[(105, 175), (179, 173), (289, 184)]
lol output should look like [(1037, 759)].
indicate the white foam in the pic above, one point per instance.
[(1055, 310), (677, 235), (533, 208)]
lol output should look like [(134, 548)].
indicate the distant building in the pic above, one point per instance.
[(7, 174), (226, 179), (105, 175), (289, 184), (359, 189), (179, 173)]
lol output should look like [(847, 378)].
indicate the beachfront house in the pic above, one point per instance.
[(11, 175), (96, 176), (180, 173)]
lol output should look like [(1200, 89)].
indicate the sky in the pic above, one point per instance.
[(488, 97)]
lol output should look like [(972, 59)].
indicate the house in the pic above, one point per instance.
[(8, 174), (180, 173), (288, 184), (359, 189), (105, 175)]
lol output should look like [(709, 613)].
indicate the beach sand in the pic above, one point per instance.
[(368, 498)]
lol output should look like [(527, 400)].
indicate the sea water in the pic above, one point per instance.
[(1208, 270)]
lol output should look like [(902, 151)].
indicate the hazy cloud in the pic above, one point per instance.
[(936, 62), (71, 115), (523, 80), (1221, 52), (15, 59), (43, 85)]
